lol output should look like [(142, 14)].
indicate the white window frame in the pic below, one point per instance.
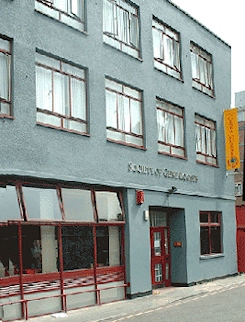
[(205, 137), (121, 26), (5, 78), (202, 70), (170, 124), (61, 95), (124, 119), (238, 189), (70, 12), (166, 49)]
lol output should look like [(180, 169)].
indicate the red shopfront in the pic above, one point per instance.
[(61, 248)]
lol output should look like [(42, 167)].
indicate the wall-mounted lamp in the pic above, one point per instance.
[(140, 197), (172, 190)]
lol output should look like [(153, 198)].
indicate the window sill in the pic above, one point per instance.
[(208, 164), (173, 155), (180, 79), (125, 53), (126, 144), (212, 256)]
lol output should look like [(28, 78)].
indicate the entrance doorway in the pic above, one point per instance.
[(160, 254)]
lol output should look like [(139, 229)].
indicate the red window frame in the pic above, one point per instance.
[(174, 150), (210, 233)]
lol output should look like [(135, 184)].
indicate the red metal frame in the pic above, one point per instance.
[(163, 259)]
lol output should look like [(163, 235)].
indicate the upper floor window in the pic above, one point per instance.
[(61, 95), (202, 75), (121, 27), (70, 12), (166, 45), (5, 77), (205, 132), (124, 114), (170, 121)]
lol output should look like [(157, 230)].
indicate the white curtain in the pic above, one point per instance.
[(111, 109), (123, 113), (4, 76), (78, 99), (123, 25), (76, 8), (194, 66), (61, 5), (208, 142), (134, 33), (135, 109), (157, 43), (108, 17), (169, 128), (176, 62), (61, 103), (198, 138), (213, 143), (179, 131), (161, 125), (44, 89)]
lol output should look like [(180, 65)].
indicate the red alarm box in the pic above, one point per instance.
[(140, 197)]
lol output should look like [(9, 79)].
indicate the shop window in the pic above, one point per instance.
[(9, 254), (166, 49), (170, 121), (210, 233), (202, 74), (9, 207), (41, 203), (77, 247), (108, 206), (205, 132), (60, 95), (70, 12), (39, 249), (121, 27), (5, 77), (77, 204), (124, 114), (108, 241)]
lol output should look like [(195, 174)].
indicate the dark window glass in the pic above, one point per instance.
[(9, 254), (77, 245), (214, 218), (203, 217), (215, 240), (40, 249), (9, 207), (204, 240)]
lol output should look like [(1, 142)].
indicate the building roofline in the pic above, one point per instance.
[(194, 19)]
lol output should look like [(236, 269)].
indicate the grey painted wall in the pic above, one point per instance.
[(31, 150)]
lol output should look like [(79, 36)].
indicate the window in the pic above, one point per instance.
[(202, 75), (170, 122), (210, 233), (120, 26), (70, 12), (5, 77), (61, 95), (205, 133), (166, 49), (238, 189), (124, 114)]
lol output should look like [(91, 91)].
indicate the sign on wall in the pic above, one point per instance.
[(231, 139)]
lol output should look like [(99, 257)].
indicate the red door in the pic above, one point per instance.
[(160, 256)]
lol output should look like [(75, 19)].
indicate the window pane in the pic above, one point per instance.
[(111, 109), (40, 249), (9, 253), (204, 218), (108, 246), (4, 76), (42, 203), (215, 240), (9, 207), (77, 204), (108, 206), (61, 92), (204, 240), (78, 99), (44, 88), (158, 218), (214, 218), (77, 246), (136, 118)]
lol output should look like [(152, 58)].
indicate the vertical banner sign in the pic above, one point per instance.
[(231, 139)]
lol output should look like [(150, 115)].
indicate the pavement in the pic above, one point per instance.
[(127, 309)]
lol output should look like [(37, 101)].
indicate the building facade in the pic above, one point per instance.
[(112, 175)]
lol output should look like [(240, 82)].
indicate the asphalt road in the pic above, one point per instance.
[(225, 305)]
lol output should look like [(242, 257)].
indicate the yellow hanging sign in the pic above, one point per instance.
[(231, 139)]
